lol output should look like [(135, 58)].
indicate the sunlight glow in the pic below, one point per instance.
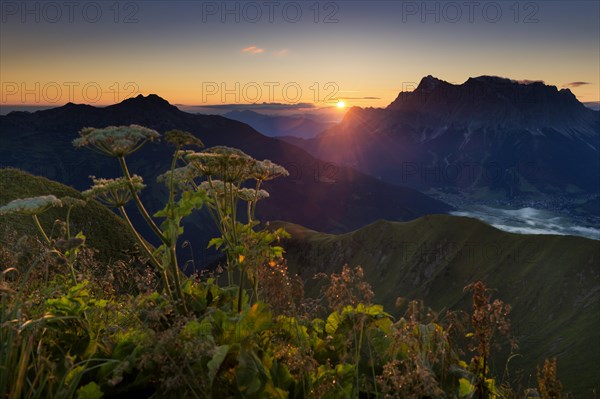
[(341, 104)]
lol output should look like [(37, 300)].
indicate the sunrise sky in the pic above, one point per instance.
[(359, 52)]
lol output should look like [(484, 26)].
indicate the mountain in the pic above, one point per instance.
[(278, 126), (551, 282), (316, 194), (490, 137)]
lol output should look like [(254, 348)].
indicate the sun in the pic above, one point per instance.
[(340, 104)]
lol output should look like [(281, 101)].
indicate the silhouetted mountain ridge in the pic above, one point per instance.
[(489, 135), (317, 194)]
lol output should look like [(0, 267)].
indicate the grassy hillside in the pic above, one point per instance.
[(103, 229), (552, 282)]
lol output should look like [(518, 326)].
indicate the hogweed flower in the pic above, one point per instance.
[(215, 188), (114, 192), (72, 202), (179, 139), (225, 163), (31, 206), (252, 195), (267, 170), (115, 141), (183, 177)]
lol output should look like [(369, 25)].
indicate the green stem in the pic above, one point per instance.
[(173, 240), (241, 289), (68, 222), (147, 250), (139, 204), (176, 281), (40, 228), (72, 269)]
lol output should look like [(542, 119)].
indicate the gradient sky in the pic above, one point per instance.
[(368, 52)]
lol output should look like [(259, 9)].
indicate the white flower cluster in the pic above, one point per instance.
[(70, 201), (114, 192), (182, 177), (31, 206), (233, 165), (267, 170), (115, 141), (225, 163), (251, 195), (218, 189)]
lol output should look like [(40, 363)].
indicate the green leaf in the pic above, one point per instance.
[(216, 242), (215, 363), (90, 391), (333, 322), (465, 388)]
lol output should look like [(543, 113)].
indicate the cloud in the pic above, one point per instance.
[(281, 53), (528, 82), (253, 50), (255, 107), (359, 98), (576, 84)]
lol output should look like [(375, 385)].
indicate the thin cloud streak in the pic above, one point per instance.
[(576, 84), (253, 50)]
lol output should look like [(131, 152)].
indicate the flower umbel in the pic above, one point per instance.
[(115, 141), (114, 192), (70, 201), (267, 170), (225, 163), (182, 177), (31, 206), (251, 195), (180, 139)]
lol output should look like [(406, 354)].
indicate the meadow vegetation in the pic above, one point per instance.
[(74, 324)]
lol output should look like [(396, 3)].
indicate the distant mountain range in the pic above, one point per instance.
[(316, 194), (491, 137), (551, 282), (278, 126)]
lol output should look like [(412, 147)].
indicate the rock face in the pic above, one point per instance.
[(488, 135)]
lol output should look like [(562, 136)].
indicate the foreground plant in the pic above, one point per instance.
[(214, 177), (226, 171), (66, 248)]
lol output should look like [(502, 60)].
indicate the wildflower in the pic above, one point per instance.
[(70, 201), (267, 170), (251, 195), (228, 164), (114, 192), (179, 139), (182, 177), (31, 206), (216, 188), (115, 141)]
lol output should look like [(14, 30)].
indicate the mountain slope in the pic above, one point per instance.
[(489, 136), (103, 229), (552, 282), (316, 194)]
